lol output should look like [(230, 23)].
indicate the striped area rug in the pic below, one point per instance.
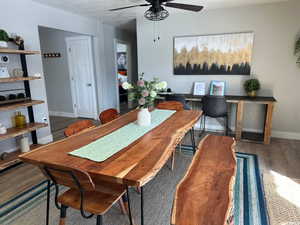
[(249, 202)]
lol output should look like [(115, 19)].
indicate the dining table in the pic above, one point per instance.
[(134, 165)]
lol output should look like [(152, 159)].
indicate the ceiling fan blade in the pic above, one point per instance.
[(195, 8), (127, 7)]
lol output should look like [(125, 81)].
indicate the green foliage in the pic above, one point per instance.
[(252, 85), (4, 36), (297, 50)]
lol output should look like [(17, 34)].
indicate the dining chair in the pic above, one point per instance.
[(171, 105), (82, 193), (78, 127), (178, 98), (215, 107), (108, 115)]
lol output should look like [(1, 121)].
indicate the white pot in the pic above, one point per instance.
[(144, 117), (3, 44)]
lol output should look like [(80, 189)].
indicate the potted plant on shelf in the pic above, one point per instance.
[(297, 50), (4, 38), (251, 87), (144, 92)]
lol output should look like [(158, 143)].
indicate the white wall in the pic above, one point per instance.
[(56, 70), (275, 26), (24, 17)]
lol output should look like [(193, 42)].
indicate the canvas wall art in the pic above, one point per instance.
[(222, 54)]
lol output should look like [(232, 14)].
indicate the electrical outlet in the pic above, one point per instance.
[(4, 59)]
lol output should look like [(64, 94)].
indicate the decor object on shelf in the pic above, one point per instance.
[(251, 87), (20, 120), (144, 92), (297, 50), (4, 38), (217, 88), (17, 72), (24, 144), (3, 129), (4, 72), (221, 54), (18, 40), (199, 88)]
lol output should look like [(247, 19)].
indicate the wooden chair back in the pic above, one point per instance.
[(170, 105), (77, 127), (67, 176), (108, 115)]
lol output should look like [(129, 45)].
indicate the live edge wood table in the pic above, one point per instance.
[(240, 101), (134, 165)]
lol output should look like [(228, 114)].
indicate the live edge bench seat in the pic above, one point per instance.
[(205, 194)]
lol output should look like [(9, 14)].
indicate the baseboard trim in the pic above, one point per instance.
[(64, 114)]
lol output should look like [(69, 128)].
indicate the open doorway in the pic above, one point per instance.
[(123, 73), (68, 66)]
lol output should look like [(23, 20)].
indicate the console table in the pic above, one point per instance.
[(269, 102)]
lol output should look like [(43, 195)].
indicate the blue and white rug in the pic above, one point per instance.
[(28, 208)]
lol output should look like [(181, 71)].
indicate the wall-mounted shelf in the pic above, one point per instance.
[(14, 51), (17, 79), (14, 132), (12, 158), (20, 104)]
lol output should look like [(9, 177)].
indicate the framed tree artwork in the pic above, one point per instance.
[(220, 54)]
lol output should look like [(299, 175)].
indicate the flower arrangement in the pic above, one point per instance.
[(144, 92)]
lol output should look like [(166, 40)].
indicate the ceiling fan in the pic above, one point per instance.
[(157, 12)]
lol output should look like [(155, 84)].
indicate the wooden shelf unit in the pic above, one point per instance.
[(14, 132), (17, 79), (20, 104), (12, 158), (15, 51), (32, 126)]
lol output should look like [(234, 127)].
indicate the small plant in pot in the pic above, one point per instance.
[(4, 38), (251, 87)]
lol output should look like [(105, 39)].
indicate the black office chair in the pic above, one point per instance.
[(215, 107), (178, 98)]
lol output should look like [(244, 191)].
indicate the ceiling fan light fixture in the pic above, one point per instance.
[(156, 15)]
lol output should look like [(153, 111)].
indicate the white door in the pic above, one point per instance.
[(81, 68)]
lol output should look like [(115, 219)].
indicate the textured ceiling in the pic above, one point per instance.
[(124, 18)]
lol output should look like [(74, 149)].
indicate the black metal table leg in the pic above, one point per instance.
[(192, 132), (99, 220), (129, 208), (142, 206), (48, 201)]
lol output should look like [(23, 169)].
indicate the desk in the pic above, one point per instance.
[(134, 165), (269, 102)]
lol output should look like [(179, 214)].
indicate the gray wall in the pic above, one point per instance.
[(110, 34), (56, 70), (274, 64)]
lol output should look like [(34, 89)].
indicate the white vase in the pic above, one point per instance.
[(144, 117), (3, 44), (24, 145)]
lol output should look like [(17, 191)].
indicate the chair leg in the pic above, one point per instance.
[(122, 206), (173, 161), (226, 125), (48, 201), (63, 214), (99, 220)]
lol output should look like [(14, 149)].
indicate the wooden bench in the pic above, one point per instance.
[(205, 194)]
